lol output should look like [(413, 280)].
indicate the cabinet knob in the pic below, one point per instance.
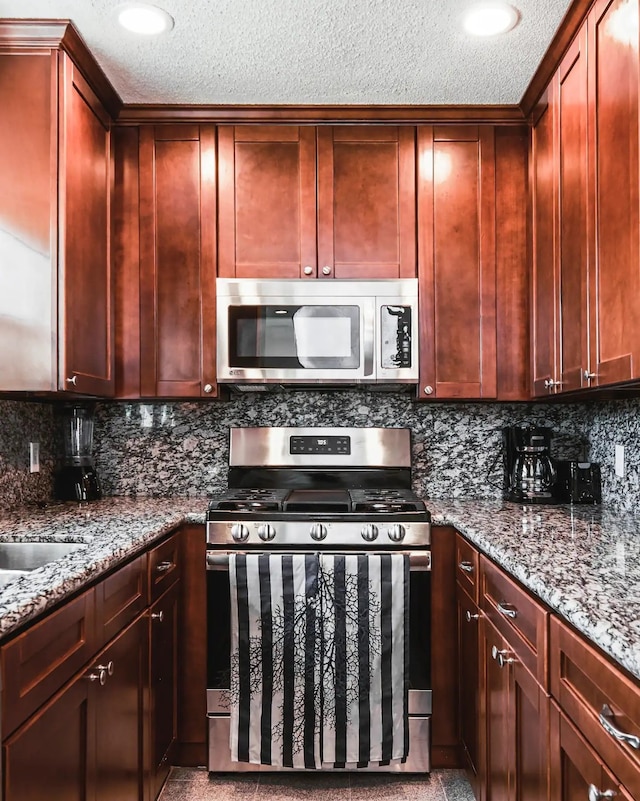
[(162, 567), (428, 390), (208, 388), (469, 616), (308, 270), (73, 380), (466, 566), (108, 668), (596, 795), (551, 384), (326, 270), (159, 616), (588, 376), (100, 676)]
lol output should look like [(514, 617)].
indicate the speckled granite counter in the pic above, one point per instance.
[(113, 530), (583, 562)]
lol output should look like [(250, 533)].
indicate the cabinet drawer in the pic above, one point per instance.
[(517, 616), (120, 598), (583, 681), (467, 567), (39, 661), (164, 566)]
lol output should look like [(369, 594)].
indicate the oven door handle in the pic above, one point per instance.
[(418, 560)]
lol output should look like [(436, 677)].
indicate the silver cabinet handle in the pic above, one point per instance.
[(108, 668), (470, 616), (428, 390), (606, 721), (73, 380), (208, 388), (551, 384), (326, 270), (588, 376), (508, 610), (159, 616), (307, 270), (162, 567), (495, 651), (596, 795), (466, 566)]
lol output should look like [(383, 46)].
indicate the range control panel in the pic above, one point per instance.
[(324, 445)]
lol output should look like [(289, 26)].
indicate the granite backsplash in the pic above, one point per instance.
[(179, 448)]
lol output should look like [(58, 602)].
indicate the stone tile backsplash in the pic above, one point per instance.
[(181, 448)]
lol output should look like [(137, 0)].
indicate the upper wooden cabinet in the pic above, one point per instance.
[(586, 279), (326, 202), (471, 182), (165, 255), (56, 317)]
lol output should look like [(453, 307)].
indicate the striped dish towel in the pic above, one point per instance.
[(319, 659)]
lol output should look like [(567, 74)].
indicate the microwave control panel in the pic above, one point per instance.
[(395, 336)]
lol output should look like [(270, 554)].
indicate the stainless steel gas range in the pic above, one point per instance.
[(307, 491)]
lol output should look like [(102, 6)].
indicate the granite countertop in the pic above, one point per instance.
[(583, 562)]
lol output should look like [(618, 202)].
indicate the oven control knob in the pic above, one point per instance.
[(318, 532), (369, 532), (397, 532), (266, 532), (239, 532)]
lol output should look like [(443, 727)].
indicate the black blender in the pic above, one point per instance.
[(76, 478)]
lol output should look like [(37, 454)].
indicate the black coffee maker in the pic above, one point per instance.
[(76, 478), (529, 471)]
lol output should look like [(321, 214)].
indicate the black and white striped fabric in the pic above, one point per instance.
[(319, 659)]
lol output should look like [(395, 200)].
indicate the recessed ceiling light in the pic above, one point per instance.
[(490, 18), (144, 19)]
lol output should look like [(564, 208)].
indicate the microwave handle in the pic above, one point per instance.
[(369, 333)]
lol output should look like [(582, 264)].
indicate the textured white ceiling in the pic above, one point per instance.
[(310, 51)]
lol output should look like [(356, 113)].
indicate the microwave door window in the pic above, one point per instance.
[(328, 337), (262, 337)]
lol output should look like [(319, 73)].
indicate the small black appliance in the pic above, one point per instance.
[(529, 471), (578, 482), (76, 478)]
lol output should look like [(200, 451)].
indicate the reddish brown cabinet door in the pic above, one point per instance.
[(457, 265), (119, 707), (613, 190), (52, 755), (177, 261), (469, 688), (85, 276), (544, 300), (577, 772), (572, 106), (163, 718), (267, 201), (366, 202), (516, 724)]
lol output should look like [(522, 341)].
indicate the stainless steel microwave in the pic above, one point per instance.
[(310, 332)]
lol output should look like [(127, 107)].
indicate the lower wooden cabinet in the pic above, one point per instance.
[(516, 723), (163, 685), (577, 771), (469, 689), (85, 742), (90, 691)]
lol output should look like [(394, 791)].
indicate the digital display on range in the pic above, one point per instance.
[(340, 446)]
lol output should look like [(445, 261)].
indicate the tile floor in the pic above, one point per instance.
[(195, 784)]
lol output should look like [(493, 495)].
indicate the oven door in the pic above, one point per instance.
[(218, 665)]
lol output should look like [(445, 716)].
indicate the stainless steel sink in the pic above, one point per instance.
[(18, 558)]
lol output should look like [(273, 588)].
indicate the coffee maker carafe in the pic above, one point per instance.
[(529, 471), (76, 478)]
